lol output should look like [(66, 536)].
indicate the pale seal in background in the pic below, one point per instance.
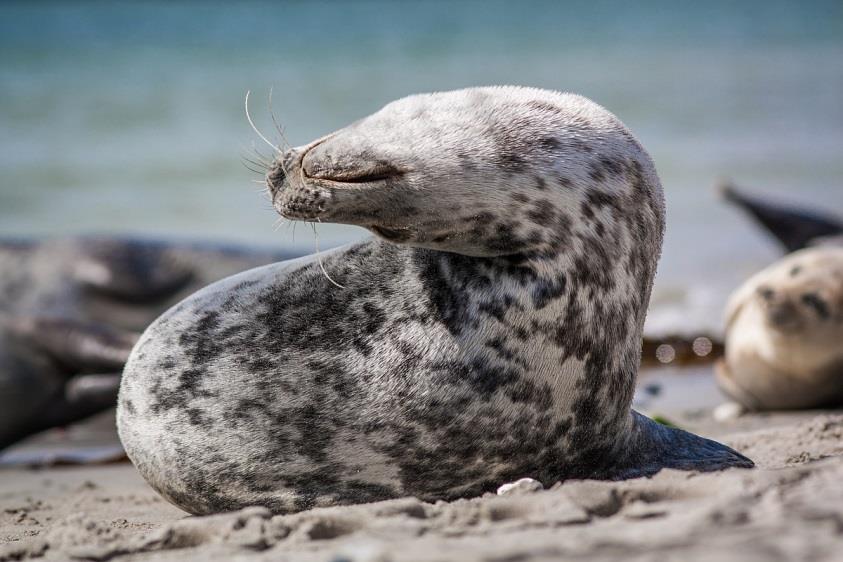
[(493, 331), (784, 334)]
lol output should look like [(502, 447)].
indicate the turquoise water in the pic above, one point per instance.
[(129, 117)]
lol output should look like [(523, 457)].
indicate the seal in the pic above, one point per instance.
[(783, 326), (491, 330), (783, 333), (72, 308)]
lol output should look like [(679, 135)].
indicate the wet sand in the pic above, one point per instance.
[(789, 508)]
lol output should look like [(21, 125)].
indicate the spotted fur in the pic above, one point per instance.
[(491, 331)]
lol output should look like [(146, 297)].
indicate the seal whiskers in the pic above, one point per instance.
[(255, 129), (321, 265)]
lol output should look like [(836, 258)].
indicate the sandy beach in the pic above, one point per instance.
[(789, 508), (132, 119)]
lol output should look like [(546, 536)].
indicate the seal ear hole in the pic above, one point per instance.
[(795, 270)]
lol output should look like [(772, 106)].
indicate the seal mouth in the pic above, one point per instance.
[(301, 209), (392, 234)]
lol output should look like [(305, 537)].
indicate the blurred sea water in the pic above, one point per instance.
[(128, 117)]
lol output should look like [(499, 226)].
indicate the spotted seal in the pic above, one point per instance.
[(70, 309), (490, 331)]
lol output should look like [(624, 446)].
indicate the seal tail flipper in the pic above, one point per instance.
[(794, 228), (80, 347), (654, 446)]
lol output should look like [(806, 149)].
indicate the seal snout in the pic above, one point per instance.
[(291, 196)]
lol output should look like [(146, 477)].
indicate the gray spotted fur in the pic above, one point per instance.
[(491, 332)]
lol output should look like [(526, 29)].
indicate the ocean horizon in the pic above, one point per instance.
[(129, 117)]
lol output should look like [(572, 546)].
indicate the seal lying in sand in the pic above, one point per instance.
[(784, 333), (784, 327), (493, 331), (68, 312)]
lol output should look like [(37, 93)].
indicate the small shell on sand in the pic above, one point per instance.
[(728, 411), (522, 486)]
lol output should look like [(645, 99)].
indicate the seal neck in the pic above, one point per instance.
[(560, 321)]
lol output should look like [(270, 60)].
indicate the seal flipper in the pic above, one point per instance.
[(80, 347), (653, 446), (131, 270), (728, 386), (795, 228), (83, 396)]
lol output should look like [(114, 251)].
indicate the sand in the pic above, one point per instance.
[(789, 508)]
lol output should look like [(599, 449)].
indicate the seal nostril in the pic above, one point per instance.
[(275, 178)]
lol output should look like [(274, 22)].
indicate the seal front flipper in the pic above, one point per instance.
[(82, 397), (729, 386), (653, 446), (795, 228), (133, 271), (79, 347)]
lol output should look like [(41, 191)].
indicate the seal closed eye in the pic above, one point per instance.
[(490, 331), (381, 171)]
